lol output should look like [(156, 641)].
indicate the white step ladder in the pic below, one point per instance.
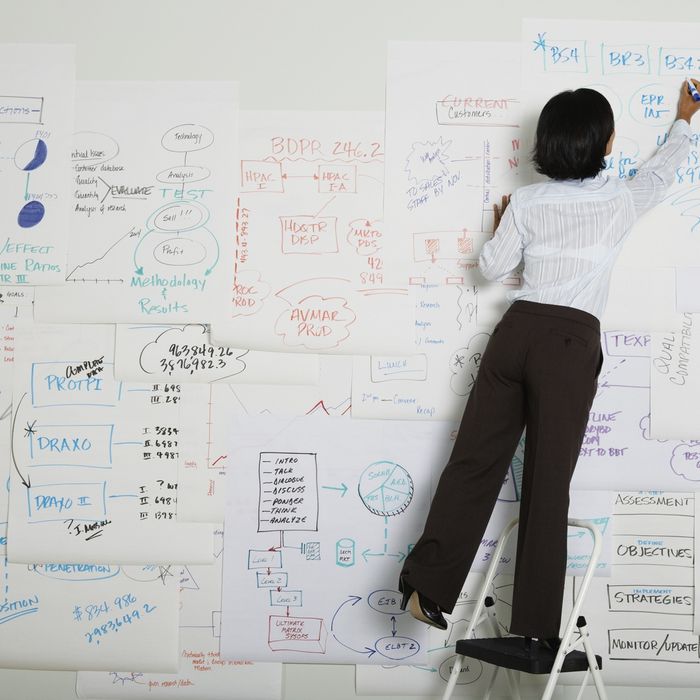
[(509, 653)]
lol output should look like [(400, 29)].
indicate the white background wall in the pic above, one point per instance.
[(287, 54)]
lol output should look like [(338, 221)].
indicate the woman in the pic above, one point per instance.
[(541, 365)]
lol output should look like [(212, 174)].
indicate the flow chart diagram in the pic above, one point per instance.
[(79, 443), (316, 182), (329, 539), (453, 150)]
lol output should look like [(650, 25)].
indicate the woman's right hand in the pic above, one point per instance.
[(687, 106), (498, 211)]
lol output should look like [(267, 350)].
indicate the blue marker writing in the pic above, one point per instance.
[(693, 90)]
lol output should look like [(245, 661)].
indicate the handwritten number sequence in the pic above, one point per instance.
[(122, 603)]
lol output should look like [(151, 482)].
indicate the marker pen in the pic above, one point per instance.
[(693, 90)]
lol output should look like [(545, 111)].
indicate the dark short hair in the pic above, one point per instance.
[(572, 133)]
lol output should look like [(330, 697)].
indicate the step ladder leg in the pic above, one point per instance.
[(513, 684), (452, 681), (583, 684), (511, 677), (590, 655), (556, 667), (478, 616), (551, 684), (492, 682)]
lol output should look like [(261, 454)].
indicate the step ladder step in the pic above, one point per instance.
[(510, 652)]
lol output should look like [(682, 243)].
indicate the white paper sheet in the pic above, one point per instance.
[(675, 382), (325, 510), (36, 120), (639, 67), (618, 451), (452, 151), (72, 616), (209, 417), (94, 461), (452, 143), (152, 222), (185, 354), (641, 619), (315, 268), (88, 616), (202, 673)]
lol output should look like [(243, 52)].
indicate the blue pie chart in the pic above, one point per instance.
[(31, 214)]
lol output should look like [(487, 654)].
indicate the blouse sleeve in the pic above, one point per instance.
[(653, 179)]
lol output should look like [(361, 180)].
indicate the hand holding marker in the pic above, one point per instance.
[(688, 100)]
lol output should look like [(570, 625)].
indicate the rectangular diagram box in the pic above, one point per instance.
[(48, 502), (653, 645), (261, 176), (288, 633), (658, 504), (625, 58), (657, 551), (309, 235), (337, 179), (286, 598), (562, 55), (51, 386), (277, 579), (386, 369), (264, 559), (476, 110), (679, 61), (288, 492), (21, 110), (71, 446), (669, 600), (627, 344)]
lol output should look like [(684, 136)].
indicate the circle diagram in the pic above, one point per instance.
[(385, 488), (31, 155), (470, 672)]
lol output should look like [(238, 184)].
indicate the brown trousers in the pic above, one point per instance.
[(539, 371)]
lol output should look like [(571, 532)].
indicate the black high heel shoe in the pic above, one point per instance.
[(422, 608)]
